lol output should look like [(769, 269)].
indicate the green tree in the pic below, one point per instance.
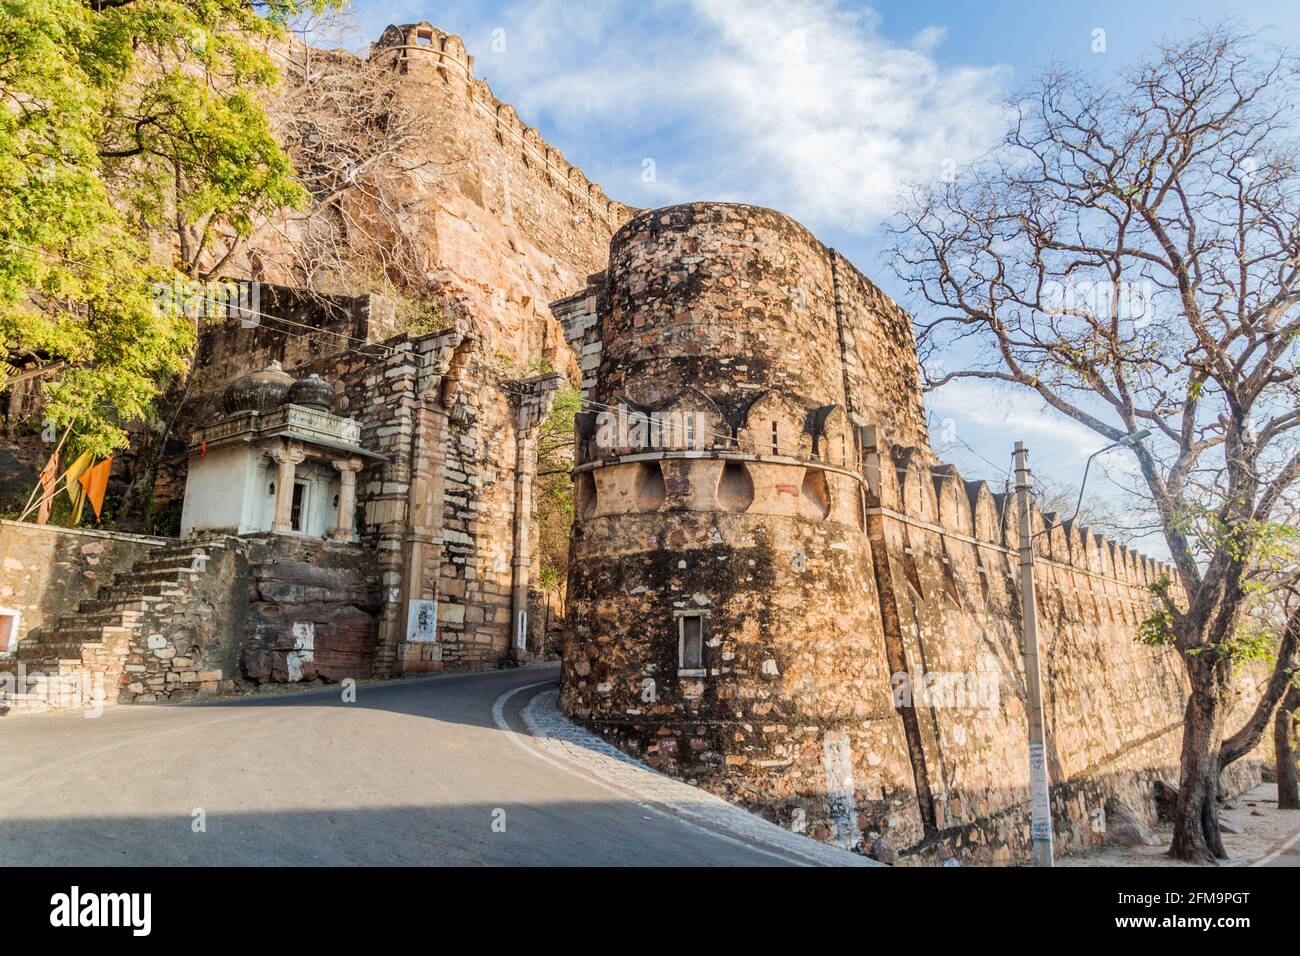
[(122, 119), (553, 502)]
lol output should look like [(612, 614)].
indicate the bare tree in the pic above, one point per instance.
[(1129, 253), (361, 149), (1097, 514)]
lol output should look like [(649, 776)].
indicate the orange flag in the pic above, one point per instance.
[(95, 481), (49, 475)]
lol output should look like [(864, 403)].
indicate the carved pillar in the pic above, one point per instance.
[(536, 396), (288, 456), (347, 499), (405, 645)]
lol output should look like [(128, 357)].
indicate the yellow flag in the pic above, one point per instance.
[(76, 493)]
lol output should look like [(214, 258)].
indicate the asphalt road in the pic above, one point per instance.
[(412, 773)]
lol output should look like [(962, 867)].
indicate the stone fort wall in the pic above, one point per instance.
[(513, 224), (508, 226), (862, 676)]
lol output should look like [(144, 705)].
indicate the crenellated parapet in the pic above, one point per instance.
[(435, 61)]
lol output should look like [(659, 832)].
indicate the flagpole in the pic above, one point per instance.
[(39, 484), (50, 497)]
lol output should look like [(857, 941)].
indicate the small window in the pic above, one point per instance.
[(295, 515), (690, 645), (776, 444)]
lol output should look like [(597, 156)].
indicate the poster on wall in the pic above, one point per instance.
[(422, 622)]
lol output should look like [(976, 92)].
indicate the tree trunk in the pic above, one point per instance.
[(1196, 815), (137, 500), (1288, 788), (1252, 732)]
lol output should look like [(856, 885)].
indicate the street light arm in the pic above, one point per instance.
[(1078, 505), (1130, 439)]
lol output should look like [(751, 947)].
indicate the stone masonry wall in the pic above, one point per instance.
[(863, 678), (514, 224), (46, 571)]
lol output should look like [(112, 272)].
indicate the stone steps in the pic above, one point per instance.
[(30, 651), (82, 625), (136, 589), (92, 643), (154, 576), (92, 606)]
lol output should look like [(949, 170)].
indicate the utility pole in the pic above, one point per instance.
[(1040, 800)]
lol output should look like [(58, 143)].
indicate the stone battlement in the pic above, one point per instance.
[(432, 56)]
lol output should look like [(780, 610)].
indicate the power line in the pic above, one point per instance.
[(210, 299), (997, 469)]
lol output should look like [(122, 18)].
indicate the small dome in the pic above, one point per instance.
[(312, 392), (258, 391)]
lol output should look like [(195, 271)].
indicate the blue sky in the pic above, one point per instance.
[(821, 109)]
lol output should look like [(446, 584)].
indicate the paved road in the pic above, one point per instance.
[(412, 773)]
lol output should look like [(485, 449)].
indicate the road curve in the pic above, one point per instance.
[(413, 773)]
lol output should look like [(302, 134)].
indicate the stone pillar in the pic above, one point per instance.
[(347, 499), (411, 551), (288, 456), (536, 396)]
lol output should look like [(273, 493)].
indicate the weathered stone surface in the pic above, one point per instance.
[(861, 677), (1125, 826)]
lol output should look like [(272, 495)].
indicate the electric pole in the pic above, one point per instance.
[(1040, 800)]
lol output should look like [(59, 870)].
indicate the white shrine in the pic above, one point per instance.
[(278, 461)]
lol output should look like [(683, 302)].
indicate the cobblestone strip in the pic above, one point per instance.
[(586, 752)]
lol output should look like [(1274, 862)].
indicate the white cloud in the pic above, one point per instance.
[(839, 116), (804, 106), (1015, 413)]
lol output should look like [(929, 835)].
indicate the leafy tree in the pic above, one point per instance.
[(122, 118), (1131, 253), (553, 501)]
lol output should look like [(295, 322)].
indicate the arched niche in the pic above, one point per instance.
[(984, 512), (915, 485), (774, 425), (735, 487), (832, 434), (650, 488), (815, 495), (954, 511)]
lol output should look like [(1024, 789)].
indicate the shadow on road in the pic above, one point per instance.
[(515, 834)]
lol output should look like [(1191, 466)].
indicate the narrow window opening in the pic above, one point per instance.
[(950, 578), (690, 644), (776, 446), (984, 585), (909, 568), (299, 495)]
